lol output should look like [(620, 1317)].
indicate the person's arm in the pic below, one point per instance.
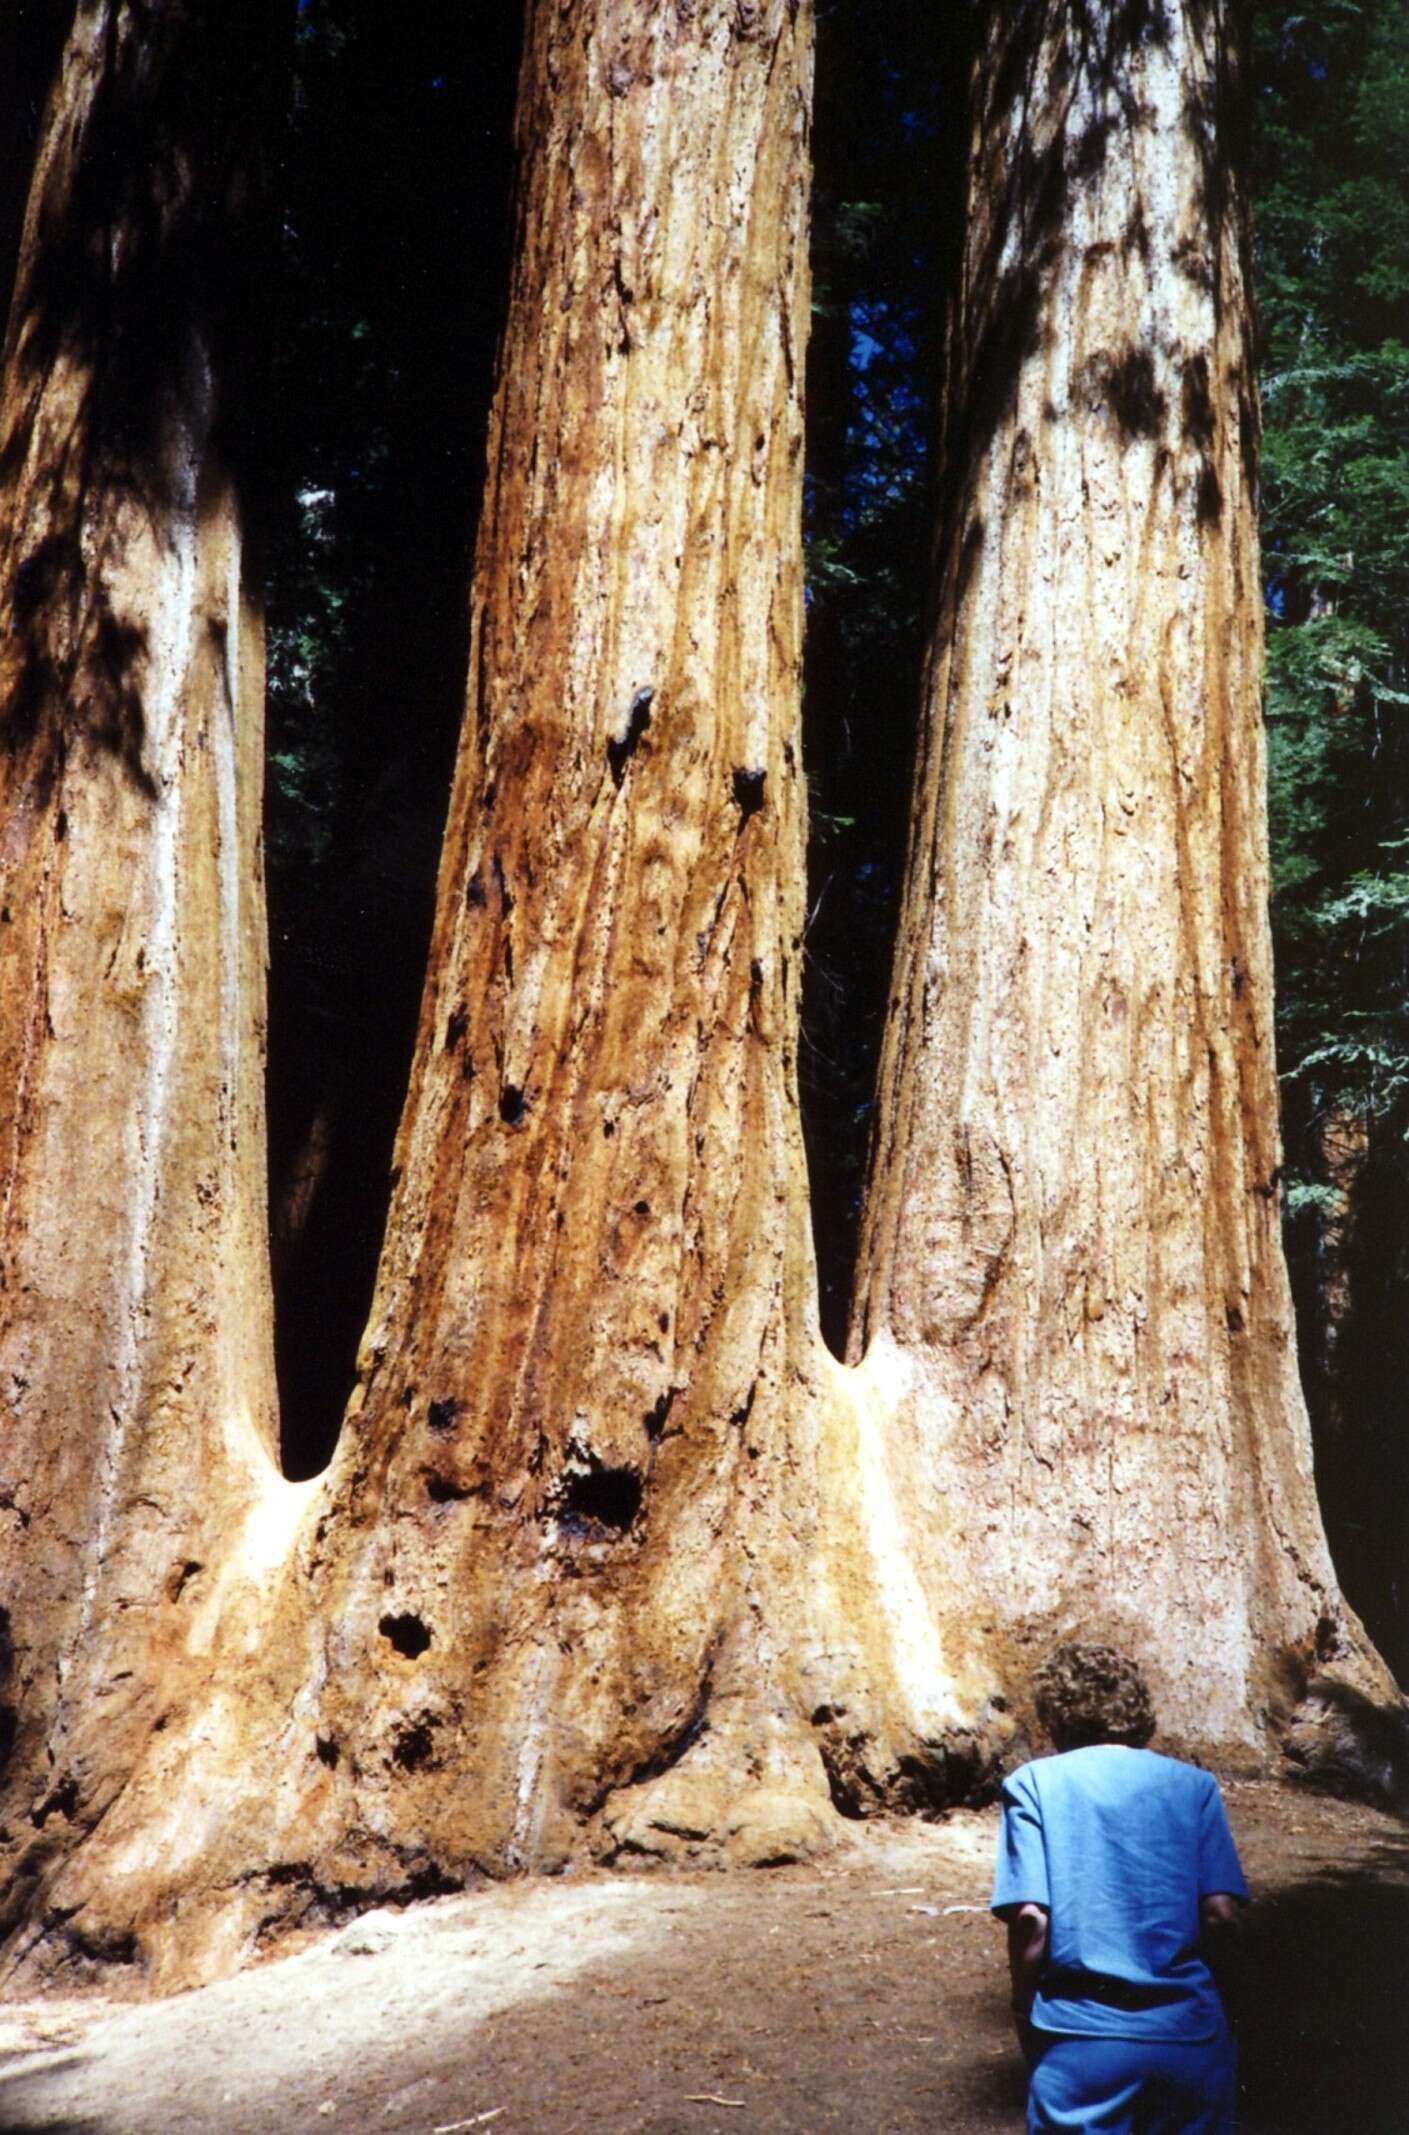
[(1027, 1947), (1223, 1892), (1220, 1920), (1218, 1916), (1021, 1895)]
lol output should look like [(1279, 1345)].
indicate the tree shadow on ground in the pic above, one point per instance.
[(1319, 2001), (816, 2000)]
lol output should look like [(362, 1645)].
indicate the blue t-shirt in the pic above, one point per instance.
[(1119, 1845)]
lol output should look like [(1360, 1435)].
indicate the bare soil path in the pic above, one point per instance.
[(867, 1993)]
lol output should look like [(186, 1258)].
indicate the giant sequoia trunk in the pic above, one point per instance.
[(135, 1375), (1072, 1249), (579, 1346)]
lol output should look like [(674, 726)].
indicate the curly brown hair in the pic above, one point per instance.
[(1088, 1693)]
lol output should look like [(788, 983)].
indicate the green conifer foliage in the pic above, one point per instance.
[(1333, 281)]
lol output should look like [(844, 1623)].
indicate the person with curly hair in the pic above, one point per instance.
[(1117, 1876)]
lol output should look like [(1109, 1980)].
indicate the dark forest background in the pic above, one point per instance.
[(390, 184)]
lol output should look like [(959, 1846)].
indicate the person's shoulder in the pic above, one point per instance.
[(1049, 1775), (1023, 1780), (1119, 1764), (1177, 1772), (1091, 1758), (1192, 1775)]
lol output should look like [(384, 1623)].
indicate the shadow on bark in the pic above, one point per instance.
[(1355, 1366), (141, 284), (1064, 55), (1350, 1747), (31, 44)]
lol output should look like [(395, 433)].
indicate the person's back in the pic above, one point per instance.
[(1113, 1863), (1131, 1842)]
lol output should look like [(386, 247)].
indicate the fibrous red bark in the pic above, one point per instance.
[(135, 1369)]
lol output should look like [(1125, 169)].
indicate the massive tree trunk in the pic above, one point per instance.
[(579, 1347), (554, 1581), (1072, 1256), (135, 1371)]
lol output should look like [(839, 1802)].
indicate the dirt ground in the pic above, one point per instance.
[(866, 1993)]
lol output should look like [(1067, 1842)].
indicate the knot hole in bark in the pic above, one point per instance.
[(61, 1800), (406, 1634), (599, 1503), (443, 1489)]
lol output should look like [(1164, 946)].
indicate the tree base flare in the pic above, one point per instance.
[(696, 1819), (1342, 1742)]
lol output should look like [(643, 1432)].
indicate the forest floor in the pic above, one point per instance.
[(866, 1992)]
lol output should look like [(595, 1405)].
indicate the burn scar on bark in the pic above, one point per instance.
[(748, 792), (1126, 385), (622, 746), (658, 1415), (414, 1744), (740, 1415), (625, 297), (601, 1503)]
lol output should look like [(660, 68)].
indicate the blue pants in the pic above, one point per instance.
[(1132, 2086)]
